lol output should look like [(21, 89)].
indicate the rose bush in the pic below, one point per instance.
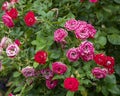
[(59, 48)]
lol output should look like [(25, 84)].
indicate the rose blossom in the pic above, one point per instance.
[(86, 50), (71, 84), (82, 32), (47, 73), (5, 42), (59, 68), (110, 62), (73, 54), (110, 70), (17, 42), (13, 13), (99, 73), (41, 57), (7, 20), (71, 25), (5, 6), (12, 50), (91, 30), (14, 1), (51, 84), (30, 19), (100, 59), (28, 71), (60, 34), (10, 94), (93, 1)]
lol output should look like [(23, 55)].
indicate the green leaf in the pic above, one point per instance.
[(69, 93), (16, 74), (18, 89), (114, 39), (58, 77), (35, 64), (117, 1), (102, 40), (105, 91)]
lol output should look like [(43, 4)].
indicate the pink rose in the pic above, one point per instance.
[(82, 32), (51, 84), (47, 73), (28, 71), (91, 30), (59, 68), (73, 54), (71, 25), (5, 6), (5, 42), (7, 20), (86, 50), (12, 50), (60, 34), (10, 94), (93, 1), (99, 73)]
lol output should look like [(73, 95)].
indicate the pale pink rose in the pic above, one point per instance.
[(28, 71), (47, 73), (60, 34), (86, 50), (12, 50), (7, 20), (93, 1), (5, 42), (5, 6), (99, 73), (59, 68), (51, 84), (14, 1), (73, 54), (91, 30), (71, 25), (82, 32)]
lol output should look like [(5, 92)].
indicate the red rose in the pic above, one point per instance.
[(30, 19), (41, 57), (17, 42), (100, 59), (13, 13), (110, 71), (71, 84), (110, 62)]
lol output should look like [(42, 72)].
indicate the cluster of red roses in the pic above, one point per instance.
[(11, 14), (105, 61)]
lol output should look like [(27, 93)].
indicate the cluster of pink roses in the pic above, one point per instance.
[(82, 31), (11, 14), (84, 51)]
